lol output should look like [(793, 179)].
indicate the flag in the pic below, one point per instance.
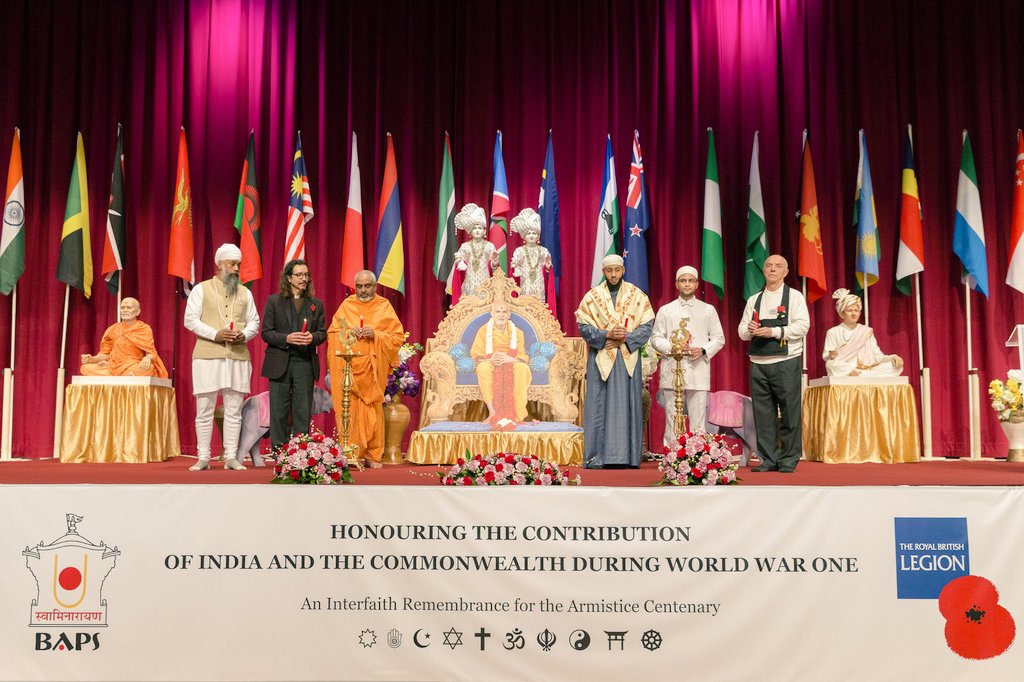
[(547, 207), (447, 239), (634, 248), (352, 239), (300, 206), (757, 236), (866, 221), (910, 259), (114, 253), (1015, 271), (607, 219), (712, 263), (500, 207), (12, 240), (969, 228), (810, 258), (390, 260), (74, 266), (247, 217), (181, 260)]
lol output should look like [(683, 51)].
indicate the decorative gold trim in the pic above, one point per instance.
[(565, 373)]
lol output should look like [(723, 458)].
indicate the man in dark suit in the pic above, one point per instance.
[(293, 326)]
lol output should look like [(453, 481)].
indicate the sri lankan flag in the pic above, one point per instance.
[(247, 218), (74, 267)]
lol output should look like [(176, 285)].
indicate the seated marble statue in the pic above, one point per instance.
[(531, 262), (851, 348), (127, 348), (502, 367), (476, 257)]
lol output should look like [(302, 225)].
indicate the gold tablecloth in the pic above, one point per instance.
[(867, 423), (123, 424), (444, 447)]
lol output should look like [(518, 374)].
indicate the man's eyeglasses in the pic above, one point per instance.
[(300, 275)]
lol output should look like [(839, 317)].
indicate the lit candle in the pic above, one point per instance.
[(231, 325), (304, 323), (360, 321), (756, 318)]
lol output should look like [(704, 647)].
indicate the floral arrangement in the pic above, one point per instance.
[(402, 379), (311, 458), (505, 468), (701, 459), (649, 359), (1007, 397)]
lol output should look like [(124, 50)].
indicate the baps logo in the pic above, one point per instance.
[(69, 573), (78, 641)]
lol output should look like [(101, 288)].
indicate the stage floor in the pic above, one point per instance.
[(941, 472)]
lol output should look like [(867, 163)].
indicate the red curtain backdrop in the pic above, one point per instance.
[(582, 68)]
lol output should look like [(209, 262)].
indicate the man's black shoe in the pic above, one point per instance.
[(787, 471), (765, 467)]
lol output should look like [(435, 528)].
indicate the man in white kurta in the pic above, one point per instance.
[(222, 315), (706, 339)]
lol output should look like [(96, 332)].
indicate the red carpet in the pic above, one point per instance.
[(175, 471)]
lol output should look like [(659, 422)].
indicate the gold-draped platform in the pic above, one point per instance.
[(119, 420), (853, 423), (444, 447)]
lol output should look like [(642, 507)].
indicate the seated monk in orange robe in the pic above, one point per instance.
[(127, 348), (379, 335), (502, 369)]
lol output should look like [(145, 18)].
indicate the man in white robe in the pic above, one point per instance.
[(851, 348), (222, 314), (706, 339), (615, 320)]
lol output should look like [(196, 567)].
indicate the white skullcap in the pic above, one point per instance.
[(469, 217), (844, 299), (687, 270), (612, 259), (227, 252)]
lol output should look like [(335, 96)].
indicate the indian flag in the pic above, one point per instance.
[(12, 241)]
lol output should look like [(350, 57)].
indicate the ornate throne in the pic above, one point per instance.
[(452, 415)]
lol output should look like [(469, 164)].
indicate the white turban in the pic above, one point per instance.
[(527, 220), (227, 252), (612, 259), (844, 299), (687, 270), (469, 217)]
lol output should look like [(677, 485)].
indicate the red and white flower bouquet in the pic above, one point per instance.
[(700, 459), (505, 468), (313, 459)]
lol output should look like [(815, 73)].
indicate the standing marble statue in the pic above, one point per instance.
[(531, 262), (476, 257)]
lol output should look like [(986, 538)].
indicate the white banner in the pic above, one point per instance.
[(411, 583)]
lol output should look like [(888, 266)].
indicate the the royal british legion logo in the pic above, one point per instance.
[(69, 574), (930, 552)]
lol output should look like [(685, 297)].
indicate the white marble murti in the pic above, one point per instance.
[(120, 381), (856, 381)]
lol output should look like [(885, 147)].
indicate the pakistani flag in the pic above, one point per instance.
[(712, 265), (757, 237), (12, 242), (608, 219), (74, 266)]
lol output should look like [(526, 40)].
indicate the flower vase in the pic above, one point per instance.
[(396, 421), (1014, 430)]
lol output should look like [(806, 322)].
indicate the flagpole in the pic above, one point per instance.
[(8, 407), (926, 379), (973, 406), (803, 374), (58, 413), (177, 316), (867, 323)]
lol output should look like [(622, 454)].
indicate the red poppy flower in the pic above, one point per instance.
[(781, 310), (977, 626)]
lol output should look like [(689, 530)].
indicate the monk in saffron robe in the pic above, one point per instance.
[(502, 369), (379, 335), (127, 348)]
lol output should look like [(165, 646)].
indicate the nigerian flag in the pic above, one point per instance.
[(74, 266), (757, 237), (712, 265)]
